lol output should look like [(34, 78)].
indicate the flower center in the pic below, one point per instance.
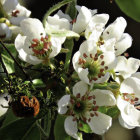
[(80, 106), (41, 48), (95, 65), (15, 13)]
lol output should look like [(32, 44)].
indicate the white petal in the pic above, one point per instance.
[(82, 20), (56, 45), (71, 127), (4, 102), (60, 21), (32, 28), (83, 75), (22, 42), (10, 5), (104, 97), (109, 59), (28, 58), (100, 124), (131, 85), (103, 78), (75, 60), (136, 75), (100, 18), (126, 67), (80, 87), (123, 44), (108, 45), (115, 30), (130, 116), (124, 124), (62, 104), (88, 47)]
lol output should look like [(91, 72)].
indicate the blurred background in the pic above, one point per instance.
[(39, 7)]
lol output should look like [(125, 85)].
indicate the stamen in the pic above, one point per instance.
[(102, 63), (101, 56), (90, 97), (94, 102), (91, 114), (78, 95), (85, 55), (96, 114), (14, 13)]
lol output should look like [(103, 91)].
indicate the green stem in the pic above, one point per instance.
[(103, 137), (68, 45), (54, 8), (41, 130)]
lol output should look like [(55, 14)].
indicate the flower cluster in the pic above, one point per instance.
[(105, 78)]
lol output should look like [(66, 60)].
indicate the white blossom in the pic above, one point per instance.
[(128, 102), (126, 67), (113, 37), (15, 11), (83, 106), (4, 100), (34, 46), (93, 66)]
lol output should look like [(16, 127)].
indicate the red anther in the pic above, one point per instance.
[(73, 21), (101, 56), (94, 102), (91, 56), (78, 104), (14, 13), (46, 37), (94, 96), (101, 70), (91, 114), (125, 94), (35, 40), (95, 79), (99, 75), (96, 114), (84, 54), (89, 119), (46, 45), (132, 101), (95, 108), (78, 95), (80, 125), (102, 63), (90, 97), (96, 55), (84, 119), (75, 119), (136, 99), (106, 67), (95, 58), (126, 54), (83, 98), (72, 101), (126, 99), (33, 45), (42, 39)]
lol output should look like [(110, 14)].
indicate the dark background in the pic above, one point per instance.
[(39, 7)]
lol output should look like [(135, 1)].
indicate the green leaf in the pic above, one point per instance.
[(8, 61), (69, 43), (71, 10), (107, 86), (38, 83), (131, 8), (110, 111), (19, 130), (84, 127), (10, 117), (59, 130)]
